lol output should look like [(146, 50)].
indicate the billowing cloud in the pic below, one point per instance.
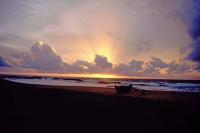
[(154, 67), (102, 62), (40, 56), (121, 69), (136, 65), (100, 65), (158, 63), (149, 69), (175, 68), (44, 57), (84, 67), (133, 68)]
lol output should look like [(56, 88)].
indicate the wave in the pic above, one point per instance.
[(146, 84)]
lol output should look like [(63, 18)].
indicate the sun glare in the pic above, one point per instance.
[(103, 76), (92, 75), (105, 47), (101, 45)]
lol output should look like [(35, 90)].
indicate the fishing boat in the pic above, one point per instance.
[(123, 88)]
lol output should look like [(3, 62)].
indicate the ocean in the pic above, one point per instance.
[(142, 84)]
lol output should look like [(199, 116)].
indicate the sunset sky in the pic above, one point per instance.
[(102, 38)]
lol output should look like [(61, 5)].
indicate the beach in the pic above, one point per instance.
[(42, 108)]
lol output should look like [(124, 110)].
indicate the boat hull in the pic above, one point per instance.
[(123, 89)]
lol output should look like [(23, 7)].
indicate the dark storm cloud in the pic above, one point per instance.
[(190, 14), (195, 53), (194, 29), (194, 32), (3, 63)]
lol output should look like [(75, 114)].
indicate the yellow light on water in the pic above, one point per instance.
[(102, 76)]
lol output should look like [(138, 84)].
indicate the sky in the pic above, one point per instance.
[(101, 38)]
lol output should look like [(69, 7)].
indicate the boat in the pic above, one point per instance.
[(123, 88)]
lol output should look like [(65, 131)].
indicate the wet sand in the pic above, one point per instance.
[(37, 108)]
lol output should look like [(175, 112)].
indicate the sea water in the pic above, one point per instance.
[(143, 84)]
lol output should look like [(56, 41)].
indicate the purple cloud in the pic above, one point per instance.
[(43, 58), (133, 68), (149, 69), (86, 66), (175, 68), (136, 65), (102, 62), (40, 56), (157, 63)]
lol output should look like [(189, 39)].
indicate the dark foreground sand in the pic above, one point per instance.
[(34, 108)]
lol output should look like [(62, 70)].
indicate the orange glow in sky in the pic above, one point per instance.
[(99, 38), (101, 45)]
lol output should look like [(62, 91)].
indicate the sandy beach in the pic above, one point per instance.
[(40, 108)]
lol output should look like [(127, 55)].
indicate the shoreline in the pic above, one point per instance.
[(149, 94), (142, 84), (36, 108)]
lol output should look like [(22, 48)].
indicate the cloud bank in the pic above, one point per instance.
[(102, 62), (42, 57)]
